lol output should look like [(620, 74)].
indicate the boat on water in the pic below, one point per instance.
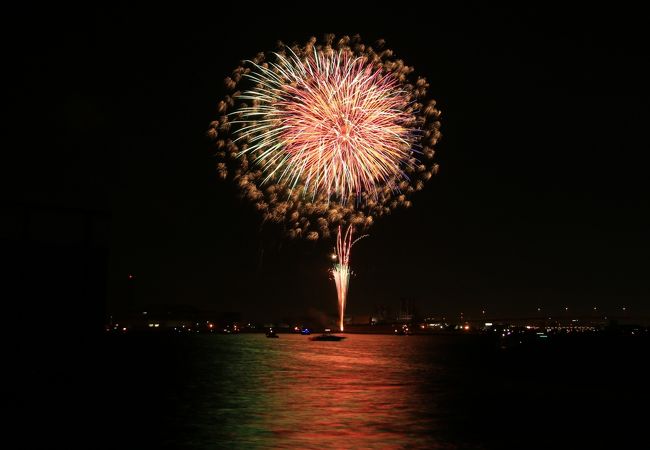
[(271, 334), (327, 336), (402, 331)]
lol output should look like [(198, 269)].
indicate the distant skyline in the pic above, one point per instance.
[(541, 199)]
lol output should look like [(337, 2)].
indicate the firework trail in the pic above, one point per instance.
[(341, 271), (326, 135)]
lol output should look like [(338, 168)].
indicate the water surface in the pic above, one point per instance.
[(368, 391)]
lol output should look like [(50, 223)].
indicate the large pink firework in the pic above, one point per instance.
[(331, 123), (326, 134)]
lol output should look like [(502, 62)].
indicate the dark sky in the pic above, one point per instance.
[(542, 197)]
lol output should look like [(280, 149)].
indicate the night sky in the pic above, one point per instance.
[(541, 200)]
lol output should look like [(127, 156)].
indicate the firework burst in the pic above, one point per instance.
[(329, 134), (331, 122)]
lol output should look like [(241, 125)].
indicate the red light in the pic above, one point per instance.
[(130, 277)]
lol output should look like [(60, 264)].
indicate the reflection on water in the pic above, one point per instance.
[(295, 392), (450, 392)]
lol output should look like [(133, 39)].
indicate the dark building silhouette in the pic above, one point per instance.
[(406, 312), (382, 314)]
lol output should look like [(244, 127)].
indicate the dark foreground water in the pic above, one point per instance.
[(369, 391)]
